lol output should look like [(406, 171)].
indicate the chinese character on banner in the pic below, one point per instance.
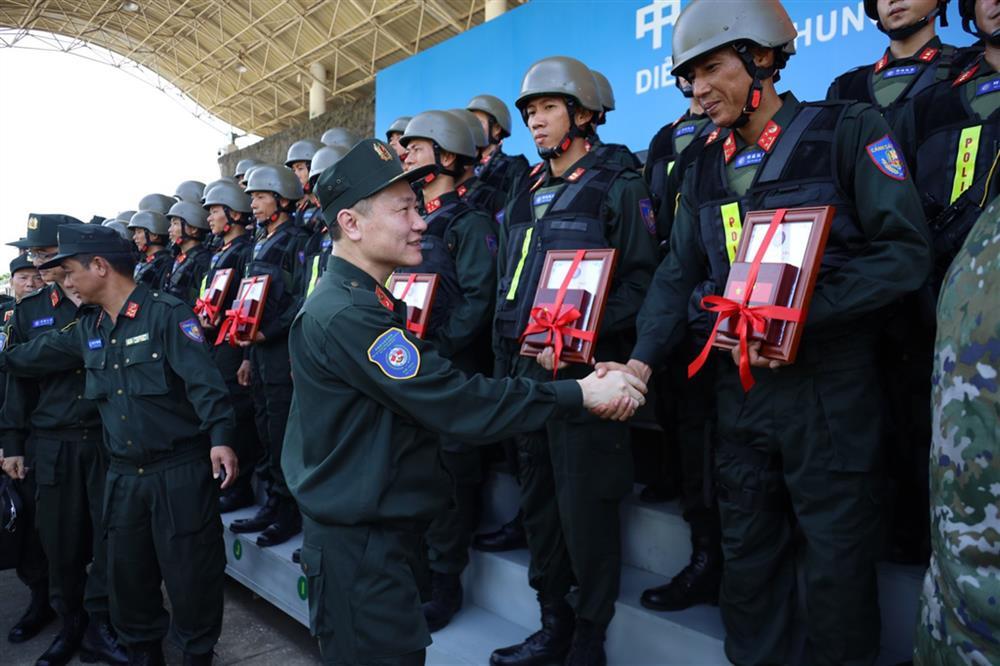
[(654, 17)]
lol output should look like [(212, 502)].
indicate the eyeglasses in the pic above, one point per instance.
[(35, 255)]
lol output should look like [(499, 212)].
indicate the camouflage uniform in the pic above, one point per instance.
[(959, 615)]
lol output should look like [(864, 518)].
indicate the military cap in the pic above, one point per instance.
[(78, 238), (42, 230), (369, 167), (20, 263)]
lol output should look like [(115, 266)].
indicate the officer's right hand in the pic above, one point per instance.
[(224, 457), (14, 467), (599, 393), (243, 374), (634, 366)]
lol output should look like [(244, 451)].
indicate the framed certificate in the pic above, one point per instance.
[(212, 302), (786, 275), (417, 290), (243, 320), (569, 303)]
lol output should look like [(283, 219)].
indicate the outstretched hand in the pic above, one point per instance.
[(614, 394), (618, 409)]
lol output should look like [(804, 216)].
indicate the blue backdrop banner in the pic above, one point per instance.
[(630, 43)]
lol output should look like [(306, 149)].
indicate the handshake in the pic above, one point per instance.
[(614, 391)]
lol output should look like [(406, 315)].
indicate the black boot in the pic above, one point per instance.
[(698, 582), (265, 516), (509, 537), (238, 496), (146, 654), (67, 641), (100, 643), (547, 645), (587, 648), (286, 524), (446, 600), (198, 659), (36, 618)]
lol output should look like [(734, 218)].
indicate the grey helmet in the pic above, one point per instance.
[(445, 129), (161, 203), (495, 108), (227, 194), (707, 25), (190, 190), (152, 221), (125, 216), (398, 126), (560, 76), (118, 226), (604, 90), (226, 179), (244, 165), (192, 214), (302, 151), (325, 158), (339, 135), (475, 127), (274, 178)]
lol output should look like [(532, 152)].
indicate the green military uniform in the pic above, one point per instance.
[(163, 404), (582, 462), (807, 433), (361, 457), (958, 615)]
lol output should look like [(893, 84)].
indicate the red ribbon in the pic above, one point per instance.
[(412, 326), (204, 307), (557, 325), (748, 317), (234, 319)]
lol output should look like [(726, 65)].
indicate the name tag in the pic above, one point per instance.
[(543, 198), (44, 321), (908, 70), (95, 343), (684, 131), (988, 87), (750, 158), (136, 339), (326, 244)]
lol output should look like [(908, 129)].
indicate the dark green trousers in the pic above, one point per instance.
[(802, 447), (450, 533), (69, 473), (32, 565), (364, 598), (164, 528), (585, 465), (272, 399)]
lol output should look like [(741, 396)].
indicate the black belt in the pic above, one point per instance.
[(67, 434), (133, 468)]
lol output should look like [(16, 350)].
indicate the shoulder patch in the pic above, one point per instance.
[(395, 355), (886, 156), (648, 216), (191, 329)]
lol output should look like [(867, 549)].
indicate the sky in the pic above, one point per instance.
[(83, 138)]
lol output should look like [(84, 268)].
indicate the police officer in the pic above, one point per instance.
[(496, 168), (339, 136), (307, 214), (574, 201), (32, 567), (168, 424), (915, 60), (609, 151), (394, 133), (370, 402), (317, 248), (190, 190), (229, 214), (52, 418), (150, 233), (242, 167), (806, 438), (188, 228), (459, 246), (274, 192)]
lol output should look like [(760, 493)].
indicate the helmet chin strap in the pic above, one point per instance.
[(564, 143), (910, 30), (438, 170), (755, 94)]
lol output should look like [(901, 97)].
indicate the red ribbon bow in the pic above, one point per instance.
[(207, 309), (234, 319), (748, 317), (557, 325)]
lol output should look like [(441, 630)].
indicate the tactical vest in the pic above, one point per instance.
[(317, 253), (500, 168), (573, 221), (659, 166), (956, 163), (616, 153), (798, 172), (479, 194), (439, 258), (233, 257), (858, 85), (276, 256), (151, 273), (183, 279)]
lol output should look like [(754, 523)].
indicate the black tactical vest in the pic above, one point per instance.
[(658, 165), (151, 272), (276, 256), (184, 278), (573, 221)]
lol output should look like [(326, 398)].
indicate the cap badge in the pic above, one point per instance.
[(382, 152), (32, 222)]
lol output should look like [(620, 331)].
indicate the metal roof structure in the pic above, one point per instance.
[(247, 61)]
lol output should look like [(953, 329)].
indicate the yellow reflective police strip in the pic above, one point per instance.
[(732, 226), (670, 166), (965, 160), (204, 284), (313, 275), (525, 248)]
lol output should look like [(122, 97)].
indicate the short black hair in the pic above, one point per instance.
[(122, 263)]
